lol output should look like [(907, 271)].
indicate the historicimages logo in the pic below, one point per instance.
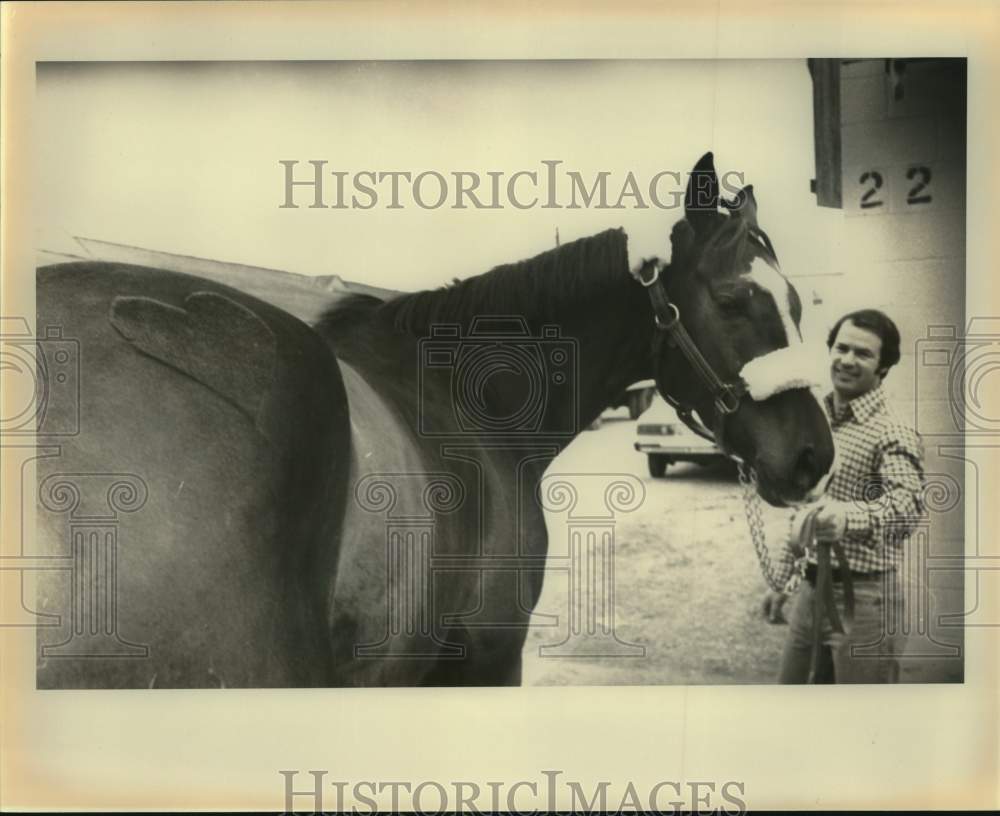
[(315, 184), (314, 792)]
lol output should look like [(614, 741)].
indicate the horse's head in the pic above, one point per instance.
[(730, 346)]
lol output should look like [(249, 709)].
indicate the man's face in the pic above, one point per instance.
[(854, 361)]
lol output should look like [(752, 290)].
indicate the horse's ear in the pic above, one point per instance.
[(681, 241), (701, 200), (744, 205)]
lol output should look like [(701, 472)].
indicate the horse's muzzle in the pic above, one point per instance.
[(805, 481)]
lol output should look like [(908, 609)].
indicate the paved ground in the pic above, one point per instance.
[(687, 583)]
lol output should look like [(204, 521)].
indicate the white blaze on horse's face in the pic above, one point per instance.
[(793, 366), (770, 280)]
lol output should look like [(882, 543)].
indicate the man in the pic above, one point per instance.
[(872, 501)]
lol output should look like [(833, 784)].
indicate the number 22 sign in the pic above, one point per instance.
[(873, 191)]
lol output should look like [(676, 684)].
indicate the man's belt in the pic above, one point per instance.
[(837, 575), (825, 605)]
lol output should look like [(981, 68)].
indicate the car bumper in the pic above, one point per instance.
[(677, 450)]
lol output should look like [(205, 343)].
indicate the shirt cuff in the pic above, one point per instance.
[(859, 523)]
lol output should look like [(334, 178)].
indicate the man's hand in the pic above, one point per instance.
[(831, 521), (772, 606), (795, 544)]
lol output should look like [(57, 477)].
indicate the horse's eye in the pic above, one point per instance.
[(732, 305), (736, 301)]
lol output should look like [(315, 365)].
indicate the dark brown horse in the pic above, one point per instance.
[(356, 504)]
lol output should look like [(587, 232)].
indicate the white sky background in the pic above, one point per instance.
[(183, 157)]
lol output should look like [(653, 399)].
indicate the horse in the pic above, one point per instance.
[(355, 503)]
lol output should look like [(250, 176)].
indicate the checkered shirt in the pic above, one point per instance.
[(879, 471)]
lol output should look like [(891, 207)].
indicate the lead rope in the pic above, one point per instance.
[(755, 521), (824, 603)]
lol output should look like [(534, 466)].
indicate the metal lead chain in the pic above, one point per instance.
[(755, 521)]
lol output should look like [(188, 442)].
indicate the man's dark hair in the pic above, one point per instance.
[(877, 323)]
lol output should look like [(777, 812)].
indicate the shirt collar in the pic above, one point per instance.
[(862, 408)]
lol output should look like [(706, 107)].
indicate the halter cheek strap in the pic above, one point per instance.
[(726, 396), (762, 377)]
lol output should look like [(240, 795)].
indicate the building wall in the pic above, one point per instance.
[(903, 251)]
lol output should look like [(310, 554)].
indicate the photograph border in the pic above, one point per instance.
[(929, 747)]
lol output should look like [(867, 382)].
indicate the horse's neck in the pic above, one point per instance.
[(614, 339), (610, 336)]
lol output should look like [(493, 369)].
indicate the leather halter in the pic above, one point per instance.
[(670, 329)]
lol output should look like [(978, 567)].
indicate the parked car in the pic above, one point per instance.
[(666, 440), (637, 397)]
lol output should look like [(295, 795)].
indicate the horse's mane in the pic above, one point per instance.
[(346, 312), (536, 288)]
